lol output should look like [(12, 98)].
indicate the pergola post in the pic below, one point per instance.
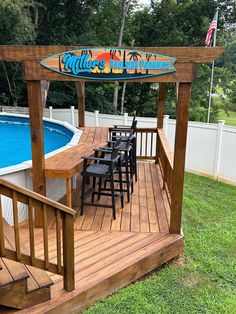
[(160, 112), (179, 157), (44, 90), (80, 90), (37, 142)]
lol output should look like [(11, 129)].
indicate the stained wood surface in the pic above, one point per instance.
[(69, 162), (110, 254), (183, 54), (179, 156), (161, 105), (80, 90), (106, 261), (148, 210)]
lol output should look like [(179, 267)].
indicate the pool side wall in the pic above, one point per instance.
[(19, 174)]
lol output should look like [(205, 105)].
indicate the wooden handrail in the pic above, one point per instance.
[(165, 158), (166, 147), (64, 229), (26, 192)]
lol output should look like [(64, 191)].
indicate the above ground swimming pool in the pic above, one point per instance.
[(15, 139)]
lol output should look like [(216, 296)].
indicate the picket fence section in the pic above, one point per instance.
[(211, 148)]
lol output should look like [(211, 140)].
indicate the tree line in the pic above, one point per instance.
[(123, 23)]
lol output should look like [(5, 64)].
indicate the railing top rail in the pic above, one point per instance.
[(148, 130), (166, 145), (36, 196)]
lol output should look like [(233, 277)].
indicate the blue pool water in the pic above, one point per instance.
[(15, 145)]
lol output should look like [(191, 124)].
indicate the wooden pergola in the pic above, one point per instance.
[(150, 247), (35, 74)]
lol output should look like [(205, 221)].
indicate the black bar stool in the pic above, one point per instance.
[(104, 169)]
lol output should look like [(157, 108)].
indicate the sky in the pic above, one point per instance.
[(144, 1)]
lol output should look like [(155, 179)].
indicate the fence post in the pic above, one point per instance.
[(221, 124), (50, 112), (125, 118), (165, 123), (96, 112), (72, 109)]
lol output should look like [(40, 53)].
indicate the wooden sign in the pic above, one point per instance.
[(109, 64)]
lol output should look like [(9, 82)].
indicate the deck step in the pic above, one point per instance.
[(21, 286)]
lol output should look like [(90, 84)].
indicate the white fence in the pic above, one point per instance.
[(211, 148)]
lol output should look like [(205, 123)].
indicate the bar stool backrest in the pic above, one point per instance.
[(115, 149)]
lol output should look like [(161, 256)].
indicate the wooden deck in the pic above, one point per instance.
[(148, 210), (110, 254)]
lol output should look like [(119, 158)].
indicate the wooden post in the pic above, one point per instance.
[(160, 112), (44, 90), (179, 157), (37, 142), (68, 252), (80, 90), (161, 105)]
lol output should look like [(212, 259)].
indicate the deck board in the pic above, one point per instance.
[(110, 254), (109, 261), (147, 211)]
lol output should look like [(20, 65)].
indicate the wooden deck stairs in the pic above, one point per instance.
[(21, 286)]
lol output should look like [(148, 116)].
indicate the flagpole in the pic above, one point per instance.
[(212, 70)]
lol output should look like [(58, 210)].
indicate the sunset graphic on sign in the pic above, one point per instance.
[(107, 56)]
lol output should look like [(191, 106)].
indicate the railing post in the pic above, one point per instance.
[(125, 118), (68, 252), (72, 109), (96, 112), (221, 124), (165, 123), (50, 112)]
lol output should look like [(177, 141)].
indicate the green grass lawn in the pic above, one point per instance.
[(229, 120), (203, 280)]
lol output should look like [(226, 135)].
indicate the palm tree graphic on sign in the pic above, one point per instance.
[(148, 57), (86, 52), (134, 55), (112, 55)]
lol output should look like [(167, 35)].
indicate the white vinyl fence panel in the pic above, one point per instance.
[(227, 167)]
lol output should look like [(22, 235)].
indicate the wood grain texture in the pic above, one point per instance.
[(109, 262), (179, 157), (144, 213), (37, 141), (110, 254), (161, 104), (80, 90), (183, 54)]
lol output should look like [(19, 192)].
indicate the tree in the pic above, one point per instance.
[(124, 10), (16, 27)]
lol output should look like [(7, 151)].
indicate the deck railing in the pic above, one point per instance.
[(165, 159), (145, 142), (64, 232)]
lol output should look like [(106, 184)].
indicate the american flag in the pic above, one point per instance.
[(210, 33)]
